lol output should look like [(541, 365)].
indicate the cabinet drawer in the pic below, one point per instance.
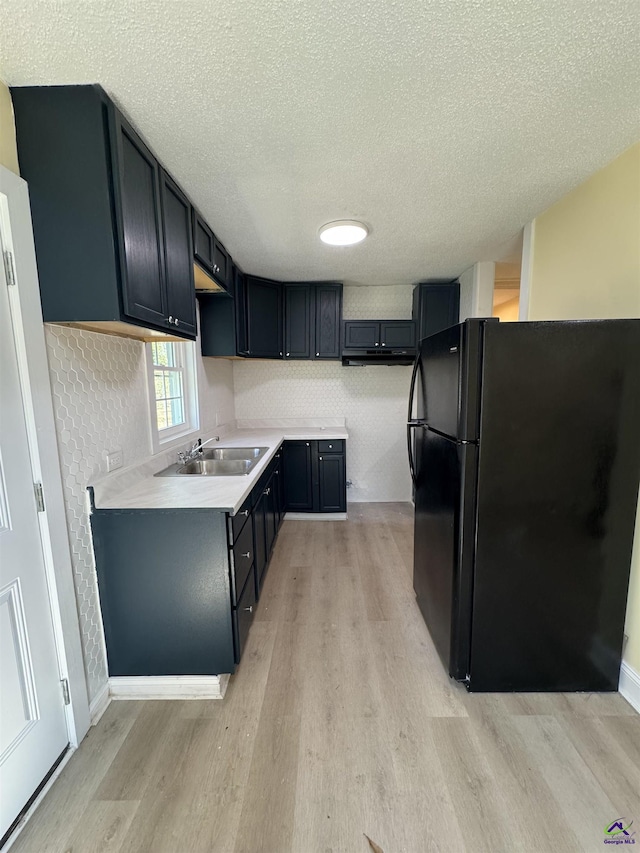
[(242, 558), (243, 617), (239, 520), (332, 445)]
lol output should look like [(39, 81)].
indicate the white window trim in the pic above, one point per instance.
[(174, 436)]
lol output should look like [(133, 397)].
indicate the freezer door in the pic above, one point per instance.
[(449, 380), (443, 544), (557, 496)]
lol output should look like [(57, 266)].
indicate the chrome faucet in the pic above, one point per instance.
[(195, 451)]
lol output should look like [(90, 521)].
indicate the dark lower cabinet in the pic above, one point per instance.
[(315, 477), (243, 615), (332, 494), (298, 476), (165, 591)]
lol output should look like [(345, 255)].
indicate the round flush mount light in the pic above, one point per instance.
[(344, 232)]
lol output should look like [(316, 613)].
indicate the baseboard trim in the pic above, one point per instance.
[(169, 687), (629, 685), (99, 704), (315, 516)]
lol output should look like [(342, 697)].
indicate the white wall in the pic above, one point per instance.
[(373, 399), (476, 290), (100, 399)]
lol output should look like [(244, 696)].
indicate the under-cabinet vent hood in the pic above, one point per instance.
[(362, 357)]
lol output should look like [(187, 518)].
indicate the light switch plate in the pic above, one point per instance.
[(114, 459)]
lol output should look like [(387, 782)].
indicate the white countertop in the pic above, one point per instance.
[(138, 488)]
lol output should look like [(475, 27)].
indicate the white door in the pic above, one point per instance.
[(33, 730)]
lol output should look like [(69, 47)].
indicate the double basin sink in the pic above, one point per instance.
[(217, 462)]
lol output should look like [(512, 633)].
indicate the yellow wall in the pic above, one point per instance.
[(507, 311), (8, 151), (586, 264)]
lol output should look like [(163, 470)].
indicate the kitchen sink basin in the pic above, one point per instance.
[(251, 453), (217, 462)]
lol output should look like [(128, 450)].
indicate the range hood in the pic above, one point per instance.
[(362, 357)]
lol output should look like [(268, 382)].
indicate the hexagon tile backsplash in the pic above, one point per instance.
[(99, 389)]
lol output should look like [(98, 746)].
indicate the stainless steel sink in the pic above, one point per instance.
[(233, 452), (218, 462)]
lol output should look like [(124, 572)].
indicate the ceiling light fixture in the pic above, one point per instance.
[(344, 232)]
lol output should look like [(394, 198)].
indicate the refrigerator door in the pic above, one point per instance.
[(559, 463), (444, 543), (449, 380)]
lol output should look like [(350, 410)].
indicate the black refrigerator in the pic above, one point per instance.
[(524, 446)]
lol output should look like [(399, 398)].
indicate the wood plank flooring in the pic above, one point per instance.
[(341, 721)]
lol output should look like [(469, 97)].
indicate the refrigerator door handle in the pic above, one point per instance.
[(411, 424)]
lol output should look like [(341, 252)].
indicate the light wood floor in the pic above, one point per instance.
[(340, 722)]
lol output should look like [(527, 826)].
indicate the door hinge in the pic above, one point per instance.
[(65, 691), (9, 267), (37, 487)]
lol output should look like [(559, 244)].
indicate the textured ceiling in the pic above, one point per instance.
[(445, 126)]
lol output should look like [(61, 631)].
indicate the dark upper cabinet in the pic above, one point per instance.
[(96, 202), (202, 242), (328, 320), (375, 334), (332, 491), (211, 256), (137, 188), (312, 320), (398, 333), (298, 476), (176, 218), (361, 334), (263, 311), (298, 320), (436, 306)]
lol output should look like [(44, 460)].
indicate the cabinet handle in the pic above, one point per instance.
[(320, 458), (247, 555), (170, 319), (307, 444), (384, 345), (317, 353), (176, 321), (377, 344), (288, 354), (267, 491), (280, 353), (244, 512), (248, 609), (331, 447)]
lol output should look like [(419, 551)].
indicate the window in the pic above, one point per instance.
[(173, 390)]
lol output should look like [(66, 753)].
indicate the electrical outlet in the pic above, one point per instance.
[(114, 459)]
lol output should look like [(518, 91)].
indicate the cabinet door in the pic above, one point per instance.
[(298, 320), (202, 242), (240, 307), (259, 540), (332, 483), (178, 257), (264, 317), (298, 483), (221, 264), (398, 333), (270, 515), (138, 191), (361, 334), (243, 617), (328, 320), (435, 307)]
